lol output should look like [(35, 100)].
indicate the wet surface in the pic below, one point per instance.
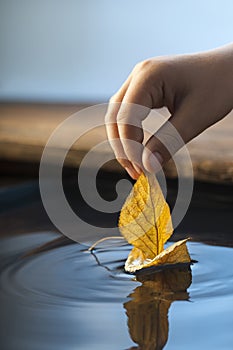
[(67, 297), (62, 296)]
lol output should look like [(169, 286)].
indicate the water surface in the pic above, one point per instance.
[(68, 298)]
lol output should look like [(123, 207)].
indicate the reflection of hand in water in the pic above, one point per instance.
[(147, 310)]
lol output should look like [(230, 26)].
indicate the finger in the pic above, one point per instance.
[(134, 109), (113, 108), (115, 142), (112, 130), (172, 136)]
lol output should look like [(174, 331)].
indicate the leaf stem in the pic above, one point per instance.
[(102, 240)]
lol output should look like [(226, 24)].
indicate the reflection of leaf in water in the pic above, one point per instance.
[(145, 222), (147, 310)]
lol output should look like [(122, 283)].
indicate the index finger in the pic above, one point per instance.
[(134, 109)]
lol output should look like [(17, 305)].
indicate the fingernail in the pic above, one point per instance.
[(155, 162), (132, 173)]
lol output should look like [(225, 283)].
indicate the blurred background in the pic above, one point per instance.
[(82, 51), (57, 57)]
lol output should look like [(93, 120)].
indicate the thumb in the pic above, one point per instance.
[(165, 143)]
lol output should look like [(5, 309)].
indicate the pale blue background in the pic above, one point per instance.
[(73, 50)]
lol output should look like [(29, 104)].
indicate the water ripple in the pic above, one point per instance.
[(71, 274)]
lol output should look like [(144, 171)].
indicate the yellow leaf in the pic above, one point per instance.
[(145, 222)]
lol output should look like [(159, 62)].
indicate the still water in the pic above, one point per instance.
[(63, 297), (69, 298)]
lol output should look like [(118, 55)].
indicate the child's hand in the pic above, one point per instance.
[(197, 90)]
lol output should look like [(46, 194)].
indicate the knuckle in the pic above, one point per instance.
[(116, 98), (143, 65), (122, 117), (113, 98), (155, 66)]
